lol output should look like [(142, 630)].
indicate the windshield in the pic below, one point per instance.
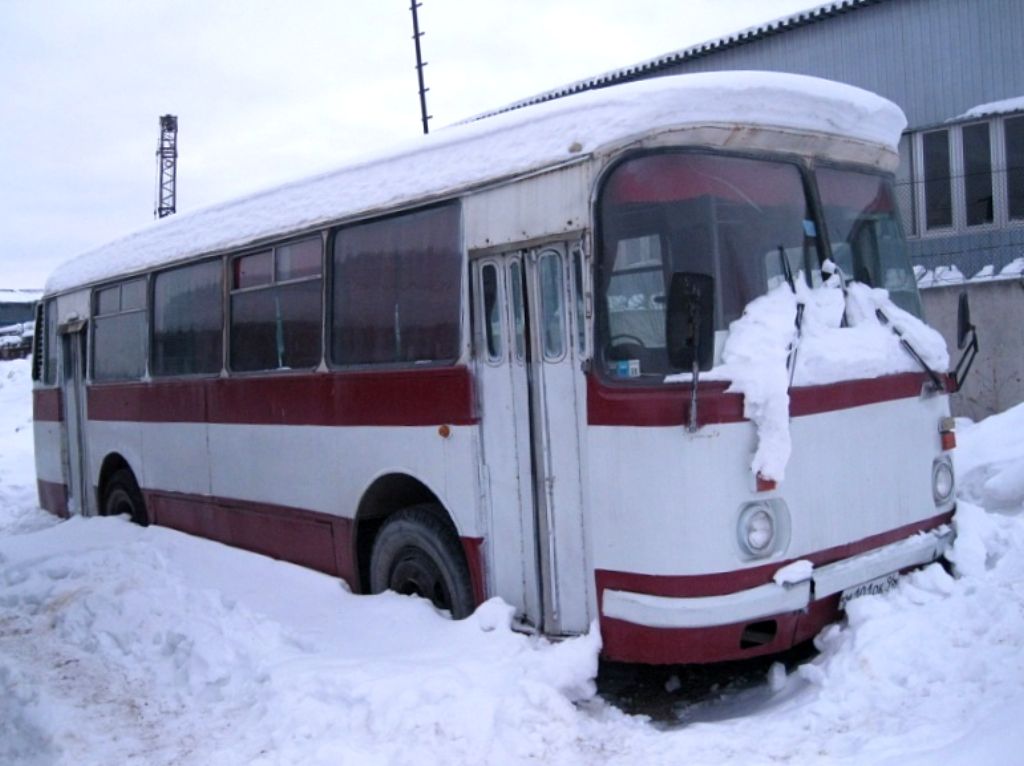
[(865, 235), (737, 219)]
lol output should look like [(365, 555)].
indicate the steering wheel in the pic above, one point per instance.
[(625, 339)]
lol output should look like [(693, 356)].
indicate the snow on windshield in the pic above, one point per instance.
[(756, 355)]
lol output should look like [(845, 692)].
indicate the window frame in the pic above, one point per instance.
[(463, 341), (153, 277), (231, 291), (917, 228), (97, 317)]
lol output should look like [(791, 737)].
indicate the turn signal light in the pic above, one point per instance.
[(947, 433)]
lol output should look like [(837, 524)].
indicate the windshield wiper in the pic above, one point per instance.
[(909, 348), (831, 268), (787, 273)]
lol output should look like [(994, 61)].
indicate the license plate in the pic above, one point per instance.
[(875, 587)]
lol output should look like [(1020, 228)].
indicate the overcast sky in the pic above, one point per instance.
[(266, 92)]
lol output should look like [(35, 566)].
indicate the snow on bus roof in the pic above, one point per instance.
[(502, 146)]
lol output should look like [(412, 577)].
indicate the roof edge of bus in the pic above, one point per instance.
[(459, 158)]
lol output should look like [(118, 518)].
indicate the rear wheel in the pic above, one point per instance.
[(122, 496), (417, 553)]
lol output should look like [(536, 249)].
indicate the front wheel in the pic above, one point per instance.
[(417, 553), (122, 496)]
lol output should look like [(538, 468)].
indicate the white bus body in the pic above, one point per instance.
[(416, 372)]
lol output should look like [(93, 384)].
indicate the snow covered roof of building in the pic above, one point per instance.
[(1005, 106), (509, 145), (8, 295), (668, 60)]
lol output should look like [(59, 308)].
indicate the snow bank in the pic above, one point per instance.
[(145, 646), (990, 461), (760, 344), (184, 626), (505, 145)]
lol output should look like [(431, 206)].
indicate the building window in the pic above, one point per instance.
[(938, 196), (119, 331), (396, 293), (978, 174), (275, 307), (188, 320), (1014, 129), (904, 186), (972, 175)]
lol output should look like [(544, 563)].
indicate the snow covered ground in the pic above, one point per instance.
[(123, 645)]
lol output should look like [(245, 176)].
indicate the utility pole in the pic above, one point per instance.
[(420, 63), (167, 167)]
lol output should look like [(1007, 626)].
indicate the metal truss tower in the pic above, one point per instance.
[(167, 167)]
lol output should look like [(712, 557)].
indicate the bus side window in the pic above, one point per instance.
[(119, 331), (188, 319), (50, 344), (275, 308), (395, 294)]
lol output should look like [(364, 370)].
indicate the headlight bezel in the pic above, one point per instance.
[(766, 520), (943, 481)]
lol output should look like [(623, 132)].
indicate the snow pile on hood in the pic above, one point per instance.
[(763, 343)]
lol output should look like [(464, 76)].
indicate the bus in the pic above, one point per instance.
[(502, 361)]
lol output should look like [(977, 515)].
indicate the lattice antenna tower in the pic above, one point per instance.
[(420, 63), (167, 167)]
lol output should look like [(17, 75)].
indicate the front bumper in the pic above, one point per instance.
[(774, 599)]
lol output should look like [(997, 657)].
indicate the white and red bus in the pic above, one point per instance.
[(453, 370)]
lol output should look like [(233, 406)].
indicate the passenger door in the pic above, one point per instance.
[(530, 392), (73, 359)]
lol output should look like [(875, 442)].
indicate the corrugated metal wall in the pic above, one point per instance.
[(935, 58)]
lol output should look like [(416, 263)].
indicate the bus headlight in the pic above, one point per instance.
[(943, 483), (763, 528)]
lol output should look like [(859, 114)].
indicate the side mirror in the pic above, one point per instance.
[(963, 321), (689, 321), (966, 341)]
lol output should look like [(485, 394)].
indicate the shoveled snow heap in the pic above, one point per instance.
[(499, 147), (757, 354)]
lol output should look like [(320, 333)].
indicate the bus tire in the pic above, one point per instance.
[(121, 495), (418, 553)]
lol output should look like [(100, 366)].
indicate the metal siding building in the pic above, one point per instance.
[(936, 59)]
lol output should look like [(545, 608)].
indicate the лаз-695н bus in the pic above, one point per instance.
[(648, 357)]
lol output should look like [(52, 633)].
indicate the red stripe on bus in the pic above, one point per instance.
[(53, 497), (626, 642), (623, 641), (380, 398), (722, 583), (316, 540), (46, 405), (669, 405)]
